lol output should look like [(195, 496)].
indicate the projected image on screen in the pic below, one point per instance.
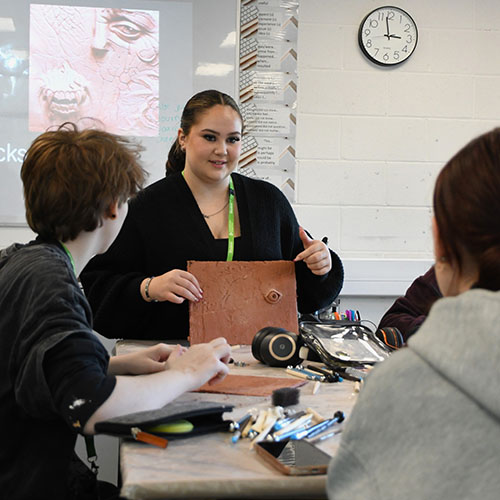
[(99, 63)]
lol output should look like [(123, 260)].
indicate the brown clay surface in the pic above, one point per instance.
[(249, 385), (240, 298)]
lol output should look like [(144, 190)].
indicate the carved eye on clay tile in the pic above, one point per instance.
[(273, 296)]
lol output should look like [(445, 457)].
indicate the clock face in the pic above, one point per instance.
[(388, 36)]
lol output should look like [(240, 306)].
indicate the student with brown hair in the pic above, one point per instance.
[(56, 378), (427, 422), (202, 210)]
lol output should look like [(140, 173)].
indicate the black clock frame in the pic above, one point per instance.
[(368, 55)]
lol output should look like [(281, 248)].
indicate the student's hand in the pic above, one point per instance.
[(316, 255), (188, 369), (204, 362), (175, 286), (150, 360)]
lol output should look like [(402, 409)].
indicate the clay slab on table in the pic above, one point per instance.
[(240, 298)]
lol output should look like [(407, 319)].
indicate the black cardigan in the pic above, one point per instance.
[(165, 228)]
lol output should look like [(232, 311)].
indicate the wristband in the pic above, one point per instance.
[(146, 290)]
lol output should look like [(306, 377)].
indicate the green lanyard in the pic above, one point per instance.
[(89, 440), (69, 255), (230, 221)]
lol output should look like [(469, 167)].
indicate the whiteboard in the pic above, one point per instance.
[(130, 65)]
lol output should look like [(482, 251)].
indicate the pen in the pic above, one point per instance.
[(272, 415), (331, 376), (326, 436), (307, 371), (245, 430), (322, 426), (353, 374), (283, 422), (146, 437), (289, 434), (239, 424), (293, 426), (304, 375)]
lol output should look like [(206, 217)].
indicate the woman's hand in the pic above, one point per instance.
[(316, 255), (150, 360), (204, 362), (175, 286)]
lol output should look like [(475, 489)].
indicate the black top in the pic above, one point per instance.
[(165, 228), (53, 371)]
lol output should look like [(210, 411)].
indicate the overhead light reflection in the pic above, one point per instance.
[(214, 69), (7, 24)]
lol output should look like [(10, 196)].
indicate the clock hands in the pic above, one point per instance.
[(388, 34)]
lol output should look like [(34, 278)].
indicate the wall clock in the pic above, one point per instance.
[(388, 36)]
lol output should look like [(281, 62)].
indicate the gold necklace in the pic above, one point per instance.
[(215, 213)]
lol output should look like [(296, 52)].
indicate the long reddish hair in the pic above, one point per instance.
[(467, 207)]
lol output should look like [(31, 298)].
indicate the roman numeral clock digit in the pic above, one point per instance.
[(388, 36)]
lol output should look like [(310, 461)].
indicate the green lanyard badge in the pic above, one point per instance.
[(69, 255), (230, 221)]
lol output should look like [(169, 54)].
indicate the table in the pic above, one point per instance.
[(211, 466)]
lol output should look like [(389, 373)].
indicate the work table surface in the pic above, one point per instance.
[(211, 466)]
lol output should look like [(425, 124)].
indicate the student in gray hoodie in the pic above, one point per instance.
[(427, 422)]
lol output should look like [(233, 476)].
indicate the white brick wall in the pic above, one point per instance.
[(371, 140)]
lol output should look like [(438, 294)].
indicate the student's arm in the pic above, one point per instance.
[(149, 360), (201, 363)]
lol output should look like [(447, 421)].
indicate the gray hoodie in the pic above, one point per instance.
[(427, 422)]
